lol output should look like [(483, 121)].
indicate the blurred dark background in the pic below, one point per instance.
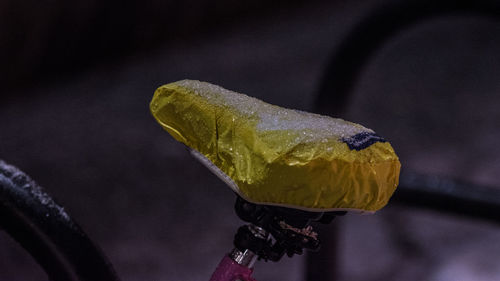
[(76, 79)]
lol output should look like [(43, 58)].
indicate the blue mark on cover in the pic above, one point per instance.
[(362, 140)]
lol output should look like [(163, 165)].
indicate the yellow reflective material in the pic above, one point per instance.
[(278, 156)]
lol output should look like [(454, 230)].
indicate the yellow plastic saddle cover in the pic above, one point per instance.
[(277, 156)]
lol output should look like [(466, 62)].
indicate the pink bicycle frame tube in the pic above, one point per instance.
[(229, 270)]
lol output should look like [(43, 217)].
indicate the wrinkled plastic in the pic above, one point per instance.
[(276, 156)]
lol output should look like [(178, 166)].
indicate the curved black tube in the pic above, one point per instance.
[(340, 76), (44, 229), (372, 32), (448, 196), (347, 63)]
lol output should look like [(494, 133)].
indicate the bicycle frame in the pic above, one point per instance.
[(47, 232), (236, 266)]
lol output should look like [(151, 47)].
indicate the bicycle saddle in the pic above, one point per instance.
[(276, 156)]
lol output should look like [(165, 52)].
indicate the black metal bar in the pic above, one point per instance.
[(341, 75), (44, 229), (449, 196), (373, 31), (323, 265), (346, 64)]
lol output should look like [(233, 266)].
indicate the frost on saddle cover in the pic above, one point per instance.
[(279, 156)]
